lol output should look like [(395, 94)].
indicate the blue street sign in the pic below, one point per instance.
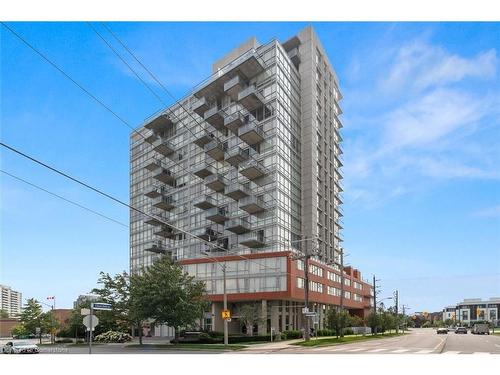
[(101, 306)]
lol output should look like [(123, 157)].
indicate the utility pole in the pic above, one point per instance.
[(342, 280), (226, 334), (375, 303), (396, 296)]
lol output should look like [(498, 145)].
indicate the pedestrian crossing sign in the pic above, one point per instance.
[(226, 314)]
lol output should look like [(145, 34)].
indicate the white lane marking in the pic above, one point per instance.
[(426, 351), (356, 350), (376, 350), (400, 351), (451, 352), (481, 353)]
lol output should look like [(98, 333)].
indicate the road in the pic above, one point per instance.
[(418, 341)]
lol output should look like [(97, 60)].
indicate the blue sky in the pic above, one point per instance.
[(421, 140)]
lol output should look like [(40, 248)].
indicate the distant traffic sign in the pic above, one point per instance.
[(84, 311), (226, 314), (101, 306), (86, 322)]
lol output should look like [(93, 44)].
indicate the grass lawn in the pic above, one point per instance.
[(189, 346), (345, 340)]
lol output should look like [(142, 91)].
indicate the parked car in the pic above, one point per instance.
[(480, 329), (20, 347), (442, 331), (451, 329), (461, 330)]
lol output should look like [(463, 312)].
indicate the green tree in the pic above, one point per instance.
[(3, 314), (167, 294), (374, 322), (249, 316), (32, 317), (337, 320), (19, 330)]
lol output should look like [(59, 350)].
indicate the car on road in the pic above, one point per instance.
[(461, 330), (20, 347), (442, 331), (480, 329)]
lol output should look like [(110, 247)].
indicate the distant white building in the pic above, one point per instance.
[(11, 301), (472, 310)]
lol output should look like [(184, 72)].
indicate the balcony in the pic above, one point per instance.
[(214, 117), (236, 191), (236, 155), (217, 214), (294, 56), (233, 122), (160, 124), (204, 202), (253, 239), (250, 98), (204, 137), (150, 137), (247, 65), (155, 218), (207, 233), (215, 150), (166, 231), (157, 247), (216, 182), (164, 147), (200, 106), (203, 170), (164, 202), (252, 204), (234, 86), (152, 164), (252, 169), (165, 175), (237, 225), (251, 133), (153, 191)]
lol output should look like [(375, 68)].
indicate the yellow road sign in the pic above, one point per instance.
[(226, 314)]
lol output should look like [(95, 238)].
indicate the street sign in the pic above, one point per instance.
[(85, 311), (38, 330), (101, 306), (305, 310), (310, 314), (86, 322), (226, 314)]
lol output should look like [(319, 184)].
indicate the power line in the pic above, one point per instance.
[(63, 198), (125, 204), (59, 69)]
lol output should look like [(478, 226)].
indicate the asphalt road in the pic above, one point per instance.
[(419, 341)]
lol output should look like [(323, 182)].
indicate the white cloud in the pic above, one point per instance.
[(419, 65), (493, 212)]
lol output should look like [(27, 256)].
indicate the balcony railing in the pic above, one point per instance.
[(153, 191), (252, 169), (166, 231), (236, 191), (216, 182), (214, 117), (160, 124), (152, 164), (234, 121), (251, 133), (205, 136), (217, 214), (237, 225), (164, 202), (204, 202), (215, 150), (253, 239), (157, 247), (236, 156), (207, 233), (252, 204), (203, 169), (165, 175), (200, 106), (250, 98), (234, 86), (163, 146)]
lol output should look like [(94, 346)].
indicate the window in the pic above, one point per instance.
[(333, 291), (315, 270), (315, 287), (347, 295), (300, 264), (300, 283)]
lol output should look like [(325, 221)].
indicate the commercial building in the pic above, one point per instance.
[(246, 170), (473, 310), (11, 301)]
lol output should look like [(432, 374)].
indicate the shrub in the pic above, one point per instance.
[(326, 332), (287, 335), (113, 336), (64, 341), (348, 331)]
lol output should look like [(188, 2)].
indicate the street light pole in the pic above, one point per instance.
[(396, 305), (226, 334)]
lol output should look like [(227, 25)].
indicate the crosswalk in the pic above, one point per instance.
[(371, 350)]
